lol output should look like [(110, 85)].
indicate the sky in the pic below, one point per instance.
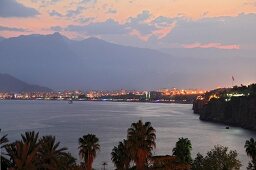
[(214, 27), (144, 23)]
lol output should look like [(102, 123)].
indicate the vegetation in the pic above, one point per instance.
[(51, 156), (24, 153), (217, 159), (230, 106), (34, 153), (250, 148), (88, 147), (227, 94), (142, 140), (198, 163), (121, 156), (45, 153), (4, 161), (182, 150)]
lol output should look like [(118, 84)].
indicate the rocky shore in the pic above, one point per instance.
[(238, 110)]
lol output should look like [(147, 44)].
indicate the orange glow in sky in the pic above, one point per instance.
[(119, 11)]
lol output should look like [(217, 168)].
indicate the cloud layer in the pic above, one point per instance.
[(165, 24), (180, 32), (3, 28), (11, 8)]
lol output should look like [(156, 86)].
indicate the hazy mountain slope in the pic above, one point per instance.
[(60, 63), (111, 65), (2, 38), (45, 60), (9, 83)]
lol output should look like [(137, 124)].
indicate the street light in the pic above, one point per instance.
[(104, 165)]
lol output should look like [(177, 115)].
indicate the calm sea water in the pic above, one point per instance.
[(110, 121)]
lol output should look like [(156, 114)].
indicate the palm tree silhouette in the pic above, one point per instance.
[(250, 148), (121, 156), (88, 147), (182, 150), (23, 153), (142, 140), (50, 153), (5, 163)]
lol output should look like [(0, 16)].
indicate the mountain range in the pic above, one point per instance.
[(61, 63), (9, 83), (1, 38)]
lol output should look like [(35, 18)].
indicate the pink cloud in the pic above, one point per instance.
[(213, 45), (162, 32), (139, 35)]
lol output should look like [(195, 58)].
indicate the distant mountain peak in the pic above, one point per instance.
[(97, 41), (57, 35), (97, 64), (94, 39)]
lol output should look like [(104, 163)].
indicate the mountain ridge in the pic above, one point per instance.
[(88, 64), (61, 63), (2, 38), (9, 83)]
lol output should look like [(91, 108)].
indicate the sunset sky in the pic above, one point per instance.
[(144, 23)]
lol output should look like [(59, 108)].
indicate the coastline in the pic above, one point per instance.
[(100, 100), (238, 112), (111, 121)]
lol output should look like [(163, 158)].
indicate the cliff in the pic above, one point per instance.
[(238, 110)]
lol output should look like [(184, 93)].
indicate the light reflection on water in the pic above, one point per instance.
[(110, 121)]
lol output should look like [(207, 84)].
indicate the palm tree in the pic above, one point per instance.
[(5, 163), (3, 140), (250, 148), (121, 155), (88, 147), (50, 153), (23, 153), (68, 162), (30, 137), (182, 150), (142, 140)]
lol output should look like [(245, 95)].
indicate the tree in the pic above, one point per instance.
[(182, 150), (250, 148), (67, 162), (5, 163), (198, 162), (121, 156), (220, 159), (23, 153), (142, 140), (50, 154), (88, 147)]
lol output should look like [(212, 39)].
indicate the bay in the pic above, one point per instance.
[(109, 121)]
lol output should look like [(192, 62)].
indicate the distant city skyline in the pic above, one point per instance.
[(173, 95)]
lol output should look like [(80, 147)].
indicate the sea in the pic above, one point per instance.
[(109, 121)]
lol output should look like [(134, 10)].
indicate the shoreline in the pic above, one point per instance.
[(238, 112), (100, 100), (78, 128)]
